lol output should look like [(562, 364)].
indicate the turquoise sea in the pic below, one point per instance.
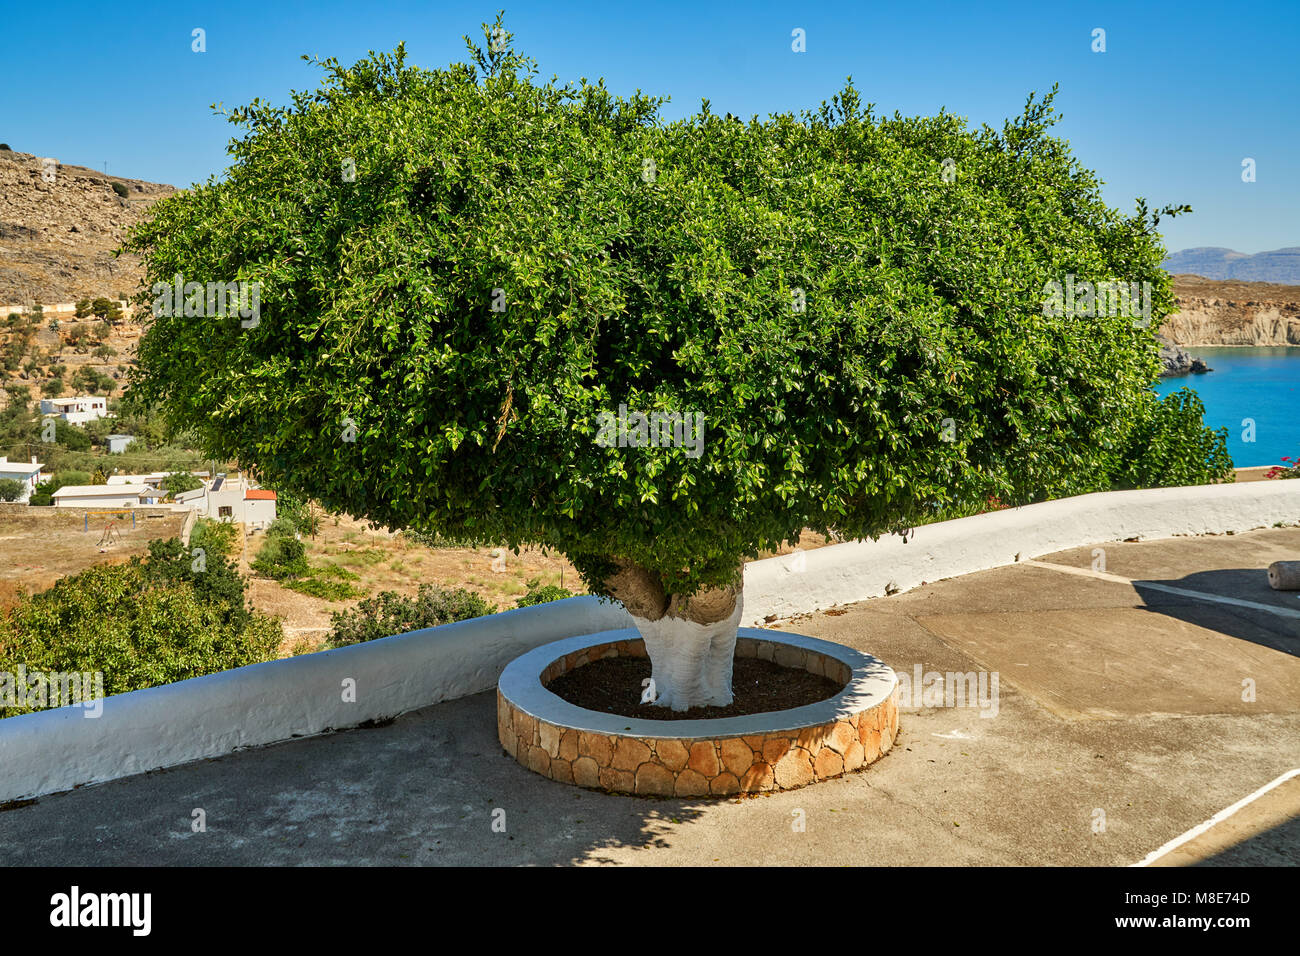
[(1262, 384)]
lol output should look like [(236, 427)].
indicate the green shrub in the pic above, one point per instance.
[(1169, 446), (11, 489), (334, 571), (215, 537), (41, 494), (121, 190), (83, 309), (72, 438), (316, 586), (179, 481), (137, 624), (72, 478), (281, 558), (215, 579), (543, 595), (389, 613), (299, 512), (282, 527)]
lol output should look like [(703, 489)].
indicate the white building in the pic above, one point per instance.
[(105, 496), (76, 410), (117, 443), (28, 474), (231, 499)]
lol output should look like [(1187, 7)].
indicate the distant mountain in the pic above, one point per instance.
[(1281, 265)]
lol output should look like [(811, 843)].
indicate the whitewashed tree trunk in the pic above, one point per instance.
[(691, 662), (691, 640)]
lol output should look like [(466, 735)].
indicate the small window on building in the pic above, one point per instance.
[(223, 511)]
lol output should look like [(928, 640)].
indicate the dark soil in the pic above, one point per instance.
[(613, 686)]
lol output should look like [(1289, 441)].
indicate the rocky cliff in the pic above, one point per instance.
[(1226, 312)]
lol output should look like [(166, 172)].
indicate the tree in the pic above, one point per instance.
[(179, 481), (106, 309), (71, 437), (90, 381), (43, 493), (143, 623), (11, 489), (66, 478), (481, 297)]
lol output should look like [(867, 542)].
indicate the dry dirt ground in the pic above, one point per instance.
[(392, 562), (40, 545)]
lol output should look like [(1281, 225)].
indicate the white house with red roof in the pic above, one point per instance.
[(231, 499)]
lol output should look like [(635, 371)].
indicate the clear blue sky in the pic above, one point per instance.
[(1184, 91)]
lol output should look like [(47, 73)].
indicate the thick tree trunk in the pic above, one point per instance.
[(691, 641)]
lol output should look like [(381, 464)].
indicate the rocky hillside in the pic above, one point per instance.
[(57, 238), (1225, 312)]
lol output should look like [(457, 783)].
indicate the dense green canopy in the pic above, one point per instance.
[(854, 304)]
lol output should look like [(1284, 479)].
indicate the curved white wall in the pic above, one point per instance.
[(858, 570), (209, 716)]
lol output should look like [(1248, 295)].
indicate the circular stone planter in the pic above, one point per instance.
[(777, 750)]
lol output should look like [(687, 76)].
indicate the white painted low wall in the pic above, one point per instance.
[(858, 570), (59, 749), (209, 716)]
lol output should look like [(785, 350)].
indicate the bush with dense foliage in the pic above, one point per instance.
[(390, 613), (281, 557), (179, 481), (213, 576), (215, 537), (106, 309), (298, 512), (70, 477), (11, 489), (148, 622), (70, 436), (543, 595), (331, 582), (1167, 445)]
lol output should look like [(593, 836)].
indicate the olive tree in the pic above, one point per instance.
[(511, 310)]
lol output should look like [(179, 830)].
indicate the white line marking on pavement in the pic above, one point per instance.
[(1219, 817), (1181, 592)]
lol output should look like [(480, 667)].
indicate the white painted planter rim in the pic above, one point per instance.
[(206, 717), (870, 683)]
